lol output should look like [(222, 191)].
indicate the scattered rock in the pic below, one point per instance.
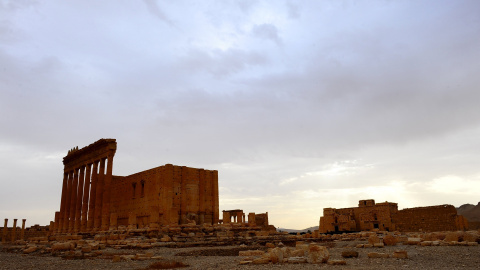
[(349, 254)]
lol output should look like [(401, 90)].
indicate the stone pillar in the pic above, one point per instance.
[(215, 197), (98, 201), (239, 217), (83, 223), (132, 221), (66, 215), (107, 191), (73, 201), (22, 233), (57, 222), (78, 205), (93, 193), (5, 229), (63, 203), (14, 230)]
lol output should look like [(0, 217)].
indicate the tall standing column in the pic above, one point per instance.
[(66, 215), (98, 202), (73, 201), (5, 228), (83, 224), (215, 197), (59, 226), (93, 193), (107, 195), (14, 230), (22, 234), (78, 205)]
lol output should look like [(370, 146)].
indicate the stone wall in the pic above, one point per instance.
[(430, 219), (386, 217), (166, 195)]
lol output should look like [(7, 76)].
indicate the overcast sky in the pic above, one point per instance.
[(300, 105)]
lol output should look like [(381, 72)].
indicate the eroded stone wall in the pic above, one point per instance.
[(430, 219), (385, 216)]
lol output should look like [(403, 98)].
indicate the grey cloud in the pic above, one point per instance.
[(155, 10), (267, 31)]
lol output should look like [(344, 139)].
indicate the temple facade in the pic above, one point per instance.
[(93, 199)]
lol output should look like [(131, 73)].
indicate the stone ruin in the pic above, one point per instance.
[(369, 216), (95, 200), (178, 206)]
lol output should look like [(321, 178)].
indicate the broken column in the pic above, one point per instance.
[(4, 238), (22, 233)]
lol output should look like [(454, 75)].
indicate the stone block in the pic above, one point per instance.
[(373, 239), (378, 255), (337, 262), (413, 241), (400, 254), (261, 260), (317, 254), (248, 253), (349, 254), (390, 240)]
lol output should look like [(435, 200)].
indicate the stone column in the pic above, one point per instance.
[(93, 193), (73, 201), (83, 224), (63, 202), (107, 191), (5, 229), (14, 230), (57, 222), (78, 205), (215, 197), (66, 213), (22, 234), (98, 201)]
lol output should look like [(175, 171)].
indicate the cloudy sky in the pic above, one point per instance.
[(300, 105)]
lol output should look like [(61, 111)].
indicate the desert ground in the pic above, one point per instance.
[(226, 257)]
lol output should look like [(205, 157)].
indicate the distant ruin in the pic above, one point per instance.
[(369, 216)]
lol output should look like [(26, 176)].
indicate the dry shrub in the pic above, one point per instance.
[(167, 264)]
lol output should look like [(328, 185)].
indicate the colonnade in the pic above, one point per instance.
[(85, 201), (13, 234)]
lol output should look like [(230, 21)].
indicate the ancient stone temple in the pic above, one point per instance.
[(93, 199), (385, 216)]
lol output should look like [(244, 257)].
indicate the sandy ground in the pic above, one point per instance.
[(428, 257)]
